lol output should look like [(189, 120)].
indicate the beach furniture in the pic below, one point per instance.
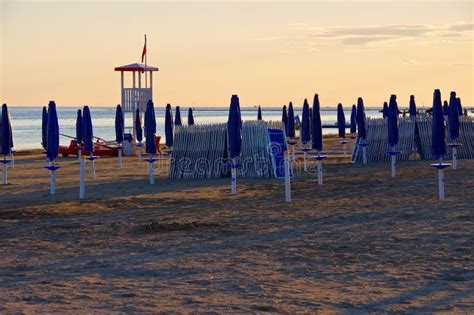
[(119, 130), (353, 129), (453, 124), (44, 127), (317, 138), (5, 141), (234, 137), (79, 134), (392, 127), (88, 135), (284, 117), (384, 110), (259, 113), (52, 149), (305, 133), (150, 142), (438, 144), (290, 131)]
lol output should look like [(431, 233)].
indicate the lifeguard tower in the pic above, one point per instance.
[(139, 93)]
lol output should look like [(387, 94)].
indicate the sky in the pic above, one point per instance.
[(267, 52)]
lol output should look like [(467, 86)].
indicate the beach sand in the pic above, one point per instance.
[(363, 242)]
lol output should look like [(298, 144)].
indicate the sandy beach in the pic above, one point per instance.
[(363, 242)]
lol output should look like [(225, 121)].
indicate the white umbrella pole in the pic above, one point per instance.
[(320, 172), (52, 179), (394, 165), (12, 160), (92, 168), (139, 149), (79, 153), (344, 149), (364, 153), (287, 177), (233, 171), (4, 177), (120, 158), (82, 179), (441, 184), (305, 162), (293, 159), (152, 172), (455, 158)]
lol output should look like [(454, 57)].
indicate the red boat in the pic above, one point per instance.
[(99, 150)]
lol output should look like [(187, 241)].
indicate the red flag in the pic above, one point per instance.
[(144, 50)]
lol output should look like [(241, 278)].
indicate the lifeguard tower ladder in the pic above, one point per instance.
[(137, 95)]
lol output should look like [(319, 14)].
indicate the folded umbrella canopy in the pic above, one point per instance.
[(138, 126), (234, 135), (88, 137), (305, 123), (445, 108), (259, 113), (438, 144), (79, 136), (360, 116), (119, 130), (341, 121), (284, 117), (453, 119), (177, 119), (150, 130), (317, 131), (353, 119), (168, 127), (44, 128), (412, 108), (52, 149), (393, 132), (190, 117), (5, 139), (290, 126), (459, 106)]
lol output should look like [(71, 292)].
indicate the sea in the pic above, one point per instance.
[(26, 121)]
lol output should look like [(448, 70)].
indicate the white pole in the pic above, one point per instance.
[(82, 179), (394, 165), (120, 157), (152, 172), (287, 177), (79, 153), (320, 173), (92, 168), (293, 159), (4, 181), (305, 162), (52, 179), (233, 171), (441, 184), (455, 158), (344, 149), (12, 160), (139, 149), (364, 154)]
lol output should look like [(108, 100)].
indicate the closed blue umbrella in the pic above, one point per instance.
[(88, 132), (6, 135), (52, 133), (190, 117), (393, 121), (305, 123), (317, 131), (119, 124), (290, 130), (438, 144), (453, 117), (168, 126), (360, 116), (138, 126), (353, 119), (459, 106), (445, 108), (177, 119), (79, 129), (44, 128), (259, 113), (412, 108), (150, 128), (341, 121), (234, 128), (284, 117), (384, 110)]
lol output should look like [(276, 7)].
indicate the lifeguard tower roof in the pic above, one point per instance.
[(136, 67)]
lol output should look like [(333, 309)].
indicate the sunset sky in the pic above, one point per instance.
[(266, 52)]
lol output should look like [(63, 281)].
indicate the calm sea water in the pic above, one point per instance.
[(26, 121)]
